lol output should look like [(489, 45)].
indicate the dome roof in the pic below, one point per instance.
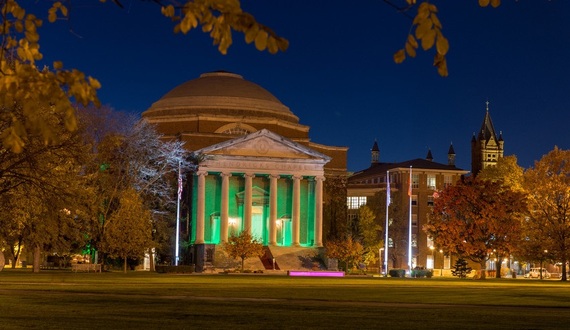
[(221, 93)]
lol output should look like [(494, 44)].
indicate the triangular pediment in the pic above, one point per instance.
[(264, 144), (258, 196)]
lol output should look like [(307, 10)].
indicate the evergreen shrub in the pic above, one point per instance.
[(397, 273)]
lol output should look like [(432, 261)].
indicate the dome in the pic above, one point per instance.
[(222, 94)]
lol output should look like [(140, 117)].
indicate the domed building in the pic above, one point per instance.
[(260, 171)]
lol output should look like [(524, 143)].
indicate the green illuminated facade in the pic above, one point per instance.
[(262, 183), (261, 170)]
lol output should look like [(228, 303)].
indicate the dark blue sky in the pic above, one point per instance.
[(338, 75)]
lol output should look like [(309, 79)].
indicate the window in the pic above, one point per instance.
[(447, 181), (415, 180), (431, 181), (390, 242), (429, 262), (414, 220), (446, 262), (355, 202), (236, 131), (430, 200), (414, 200), (414, 240), (352, 217)]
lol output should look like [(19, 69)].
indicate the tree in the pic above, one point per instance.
[(507, 171), (397, 224), (243, 246), (461, 269), (37, 184), (370, 234), (475, 218), (428, 32), (129, 232), (548, 186), (55, 87), (347, 251), (334, 208), (131, 156)]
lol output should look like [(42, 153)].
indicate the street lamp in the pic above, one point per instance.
[(380, 265), (442, 261), (541, 261)]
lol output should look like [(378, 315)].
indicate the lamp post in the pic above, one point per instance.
[(442, 260), (541, 261), (380, 261)]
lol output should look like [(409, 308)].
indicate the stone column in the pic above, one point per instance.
[(273, 209), (296, 216), (224, 207), (200, 207), (319, 211), (247, 201)]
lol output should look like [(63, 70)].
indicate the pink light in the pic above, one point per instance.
[(316, 273)]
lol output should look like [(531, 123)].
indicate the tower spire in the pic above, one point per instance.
[(451, 155), (375, 153), (487, 148)]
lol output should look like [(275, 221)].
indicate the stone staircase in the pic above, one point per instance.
[(286, 258)]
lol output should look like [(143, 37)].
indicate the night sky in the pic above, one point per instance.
[(338, 75)]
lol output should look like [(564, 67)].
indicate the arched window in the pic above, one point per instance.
[(236, 129)]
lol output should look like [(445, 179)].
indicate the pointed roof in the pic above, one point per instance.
[(375, 146), (264, 143), (429, 155), (451, 150), (487, 131)]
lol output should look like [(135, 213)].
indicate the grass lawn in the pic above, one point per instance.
[(142, 300)]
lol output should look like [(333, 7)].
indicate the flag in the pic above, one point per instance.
[(388, 200)]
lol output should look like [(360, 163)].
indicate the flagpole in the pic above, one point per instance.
[(410, 223), (179, 197), (387, 224)]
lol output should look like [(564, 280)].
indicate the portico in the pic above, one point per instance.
[(262, 183)]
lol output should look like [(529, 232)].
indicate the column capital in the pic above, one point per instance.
[(274, 176), (202, 173), (320, 178), (225, 174), (249, 175), (297, 177)]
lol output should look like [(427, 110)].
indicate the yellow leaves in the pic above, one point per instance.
[(410, 48), (442, 45), (251, 33), (494, 3), (12, 137), (52, 12), (399, 56), (220, 18), (261, 40), (428, 33), (424, 27), (188, 22), (440, 63), (428, 39), (167, 11), (42, 99)]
